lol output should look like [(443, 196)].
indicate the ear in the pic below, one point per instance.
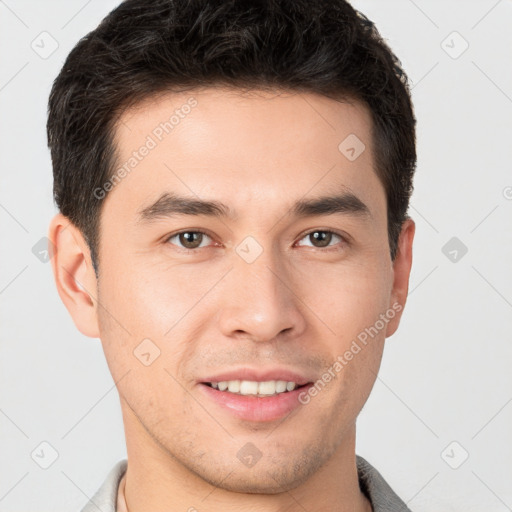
[(401, 271), (74, 274)]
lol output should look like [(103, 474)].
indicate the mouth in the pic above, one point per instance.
[(260, 389), (256, 396)]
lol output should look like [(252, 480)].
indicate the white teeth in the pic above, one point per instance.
[(267, 388), (248, 387), (280, 386), (234, 386)]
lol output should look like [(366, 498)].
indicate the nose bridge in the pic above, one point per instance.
[(259, 300)]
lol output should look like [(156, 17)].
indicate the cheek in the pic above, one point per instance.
[(147, 321), (347, 298), (152, 299)]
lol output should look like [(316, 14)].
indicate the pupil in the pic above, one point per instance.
[(187, 239), (322, 237)]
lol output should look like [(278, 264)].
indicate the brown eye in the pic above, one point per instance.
[(189, 239), (321, 238)]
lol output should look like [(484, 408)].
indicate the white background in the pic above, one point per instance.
[(446, 375)]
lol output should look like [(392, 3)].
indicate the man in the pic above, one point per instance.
[(233, 181)]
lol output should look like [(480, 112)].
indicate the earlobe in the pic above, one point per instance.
[(74, 274), (401, 272)]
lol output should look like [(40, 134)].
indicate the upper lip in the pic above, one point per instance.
[(259, 375)]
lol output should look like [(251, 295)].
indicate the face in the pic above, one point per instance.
[(247, 242)]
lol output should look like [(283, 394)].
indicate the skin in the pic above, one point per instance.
[(208, 310)]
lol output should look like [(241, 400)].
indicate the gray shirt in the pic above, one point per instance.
[(376, 489)]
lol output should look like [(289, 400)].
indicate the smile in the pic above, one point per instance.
[(255, 401), (251, 387)]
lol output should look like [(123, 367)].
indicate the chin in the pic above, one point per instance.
[(268, 476), (249, 481)]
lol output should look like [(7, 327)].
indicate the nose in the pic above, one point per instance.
[(259, 301)]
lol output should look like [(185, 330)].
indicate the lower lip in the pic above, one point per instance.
[(254, 408)]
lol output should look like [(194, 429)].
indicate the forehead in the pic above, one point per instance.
[(265, 145)]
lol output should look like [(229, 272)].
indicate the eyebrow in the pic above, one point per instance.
[(170, 205)]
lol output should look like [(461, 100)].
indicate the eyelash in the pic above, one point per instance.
[(324, 249)]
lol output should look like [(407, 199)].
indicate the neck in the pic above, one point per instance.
[(156, 480)]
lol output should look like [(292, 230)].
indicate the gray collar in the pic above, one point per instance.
[(377, 490)]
